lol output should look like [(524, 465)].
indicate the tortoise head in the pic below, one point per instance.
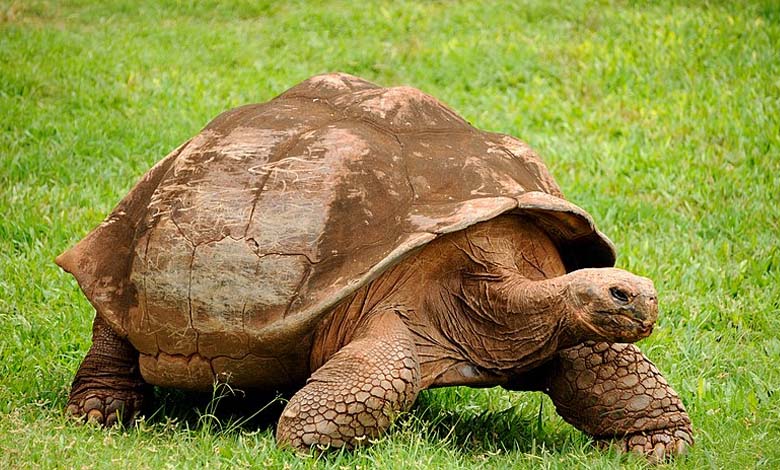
[(612, 304)]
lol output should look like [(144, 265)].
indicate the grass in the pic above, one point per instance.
[(660, 118)]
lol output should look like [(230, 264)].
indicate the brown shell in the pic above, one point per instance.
[(240, 240)]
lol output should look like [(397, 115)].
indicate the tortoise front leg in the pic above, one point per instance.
[(108, 385), (357, 392), (615, 394)]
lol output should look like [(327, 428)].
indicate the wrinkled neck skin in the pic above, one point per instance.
[(482, 305), (531, 312), (512, 324)]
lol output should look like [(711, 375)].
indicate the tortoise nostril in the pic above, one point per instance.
[(653, 304)]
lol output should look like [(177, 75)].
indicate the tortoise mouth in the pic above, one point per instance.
[(646, 330), (622, 327)]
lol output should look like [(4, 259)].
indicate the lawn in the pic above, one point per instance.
[(662, 119)]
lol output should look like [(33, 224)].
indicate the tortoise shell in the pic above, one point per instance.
[(226, 254)]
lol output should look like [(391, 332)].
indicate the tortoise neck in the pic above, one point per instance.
[(513, 322), (468, 330), (547, 298)]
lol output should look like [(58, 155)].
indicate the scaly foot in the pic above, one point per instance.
[(106, 406)]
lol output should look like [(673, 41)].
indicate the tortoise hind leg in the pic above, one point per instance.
[(355, 394), (108, 386), (615, 394)]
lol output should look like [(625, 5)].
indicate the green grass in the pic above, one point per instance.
[(661, 119)]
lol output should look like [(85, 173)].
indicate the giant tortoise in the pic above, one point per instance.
[(354, 245)]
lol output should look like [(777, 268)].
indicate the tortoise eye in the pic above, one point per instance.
[(618, 294)]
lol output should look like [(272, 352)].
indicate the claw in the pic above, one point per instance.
[(681, 447), (73, 411), (658, 454), (111, 420), (94, 417)]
